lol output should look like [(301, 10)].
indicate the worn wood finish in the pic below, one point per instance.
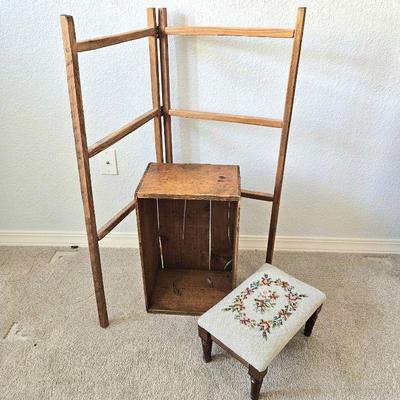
[(97, 43), (224, 237), (116, 219), (184, 233), (185, 226), (114, 137), (222, 31), (170, 214), (251, 194), (150, 255), (191, 278), (78, 122), (290, 92), (164, 63), (222, 221), (195, 235), (311, 322), (191, 182), (238, 119), (155, 87), (188, 292)]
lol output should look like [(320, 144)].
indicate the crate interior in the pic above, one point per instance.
[(187, 251)]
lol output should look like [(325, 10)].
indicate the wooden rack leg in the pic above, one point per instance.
[(164, 63), (272, 231), (290, 92), (95, 263), (78, 122), (155, 87)]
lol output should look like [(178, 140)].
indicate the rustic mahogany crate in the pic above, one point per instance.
[(188, 222)]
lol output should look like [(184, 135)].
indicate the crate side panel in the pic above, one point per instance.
[(149, 244), (222, 235)]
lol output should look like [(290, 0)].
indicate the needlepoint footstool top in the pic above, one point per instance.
[(259, 317)]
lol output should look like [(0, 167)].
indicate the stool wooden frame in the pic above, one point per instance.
[(256, 377), (157, 34)]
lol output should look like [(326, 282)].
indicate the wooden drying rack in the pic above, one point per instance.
[(157, 35)]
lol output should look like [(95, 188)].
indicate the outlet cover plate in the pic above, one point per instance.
[(108, 162)]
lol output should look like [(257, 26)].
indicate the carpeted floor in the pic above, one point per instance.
[(51, 346)]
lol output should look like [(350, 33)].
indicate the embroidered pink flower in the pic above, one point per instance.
[(285, 285), (273, 296), (264, 325), (284, 314), (260, 303), (264, 301), (265, 280), (292, 296)]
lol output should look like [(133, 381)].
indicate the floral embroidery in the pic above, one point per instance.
[(265, 300)]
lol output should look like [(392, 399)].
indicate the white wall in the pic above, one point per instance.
[(342, 174)]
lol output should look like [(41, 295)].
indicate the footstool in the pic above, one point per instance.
[(256, 320)]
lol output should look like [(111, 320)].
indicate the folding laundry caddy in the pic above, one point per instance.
[(210, 269)]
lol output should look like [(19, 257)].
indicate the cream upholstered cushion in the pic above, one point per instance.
[(261, 315)]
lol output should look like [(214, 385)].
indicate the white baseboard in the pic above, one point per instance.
[(247, 242), (323, 244)]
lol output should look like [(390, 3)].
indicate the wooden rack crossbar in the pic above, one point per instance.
[(250, 194), (122, 132), (115, 220), (225, 31), (105, 41), (239, 119)]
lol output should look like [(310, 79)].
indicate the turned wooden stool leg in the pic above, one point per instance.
[(206, 342), (311, 321), (255, 388), (256, 379)]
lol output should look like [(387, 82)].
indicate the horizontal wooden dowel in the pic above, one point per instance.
[(104, 41), (250, 194), (219, 31), (121, 133), (240, 119), (115, 220)]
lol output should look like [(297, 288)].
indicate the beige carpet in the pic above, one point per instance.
[(51, 346)]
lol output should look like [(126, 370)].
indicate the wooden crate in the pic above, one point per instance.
[(188, 222)]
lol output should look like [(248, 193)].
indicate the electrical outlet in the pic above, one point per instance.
[(108, 162)]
